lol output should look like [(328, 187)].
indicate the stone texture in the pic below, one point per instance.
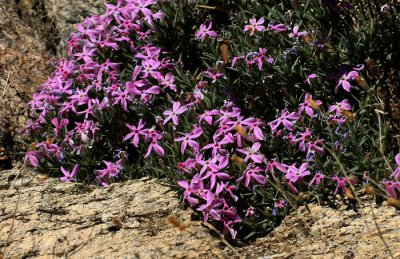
[(41, 217), (130, 219), (66, 13), (23, 65), (31, 33), (331, 233)]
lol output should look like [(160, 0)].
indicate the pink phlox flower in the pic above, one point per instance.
[(208, 116), (122, 97), (214, 74), (112, 169), (255, 126), (33, 156), (273, 164), (188, 139), (153, 137), (286, 119), (316, 145), (205, 164), (342, 182), (229, 189), (277, 28), (89, 111), (150, 67), (69, 176), (396, 172), (280, 204), (310, 77), (252, 174), (338, 119), (295, 175), (86, 54), (296, 33), (216, 146), (304, 138), (214, 173), (344, 81), (205, 31), (136, 131), (227, 115), (212, 200), (390, 187), (235, 59), (317, 179), (189, 191), (255, 26), (59, 124), (167, 81), (81, 96), (252, 153), (250, 212), (343, 105), (176, 110), (258, 57), (307, 105), (106, 67)]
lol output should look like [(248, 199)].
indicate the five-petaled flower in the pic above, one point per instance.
[(255, 26)]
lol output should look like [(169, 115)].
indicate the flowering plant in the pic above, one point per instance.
[(246, 109)]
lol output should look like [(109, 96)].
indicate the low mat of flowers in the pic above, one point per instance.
[(250, 108)]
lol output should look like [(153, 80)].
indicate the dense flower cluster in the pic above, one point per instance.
[(119, 103)]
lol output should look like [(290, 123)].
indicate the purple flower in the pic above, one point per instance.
[(33, 156), (188, 139), (154, 137), (338, 107), (254, 26), (58, 125), (207, 116), (390, 187), (176, 110), (310, 77), (313, 146), (344, 81), (317, 179), (303, 138), (252, 173), (136, 131), (294, 174), (309, 105), (296, 33), (284, 119), (205, 32), (277, 28), (396, 173), (214, 173), (342, 182), (189, 190), (251, 153), (69, 176), (250, 212)]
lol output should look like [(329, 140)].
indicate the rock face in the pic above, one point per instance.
[(137, 219), (324, 232), (23, 65), (43, 218), (31, 33)]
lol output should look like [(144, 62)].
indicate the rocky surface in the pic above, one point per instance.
[(324, 232), (23, 65), (31, 33), (41, 217)]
